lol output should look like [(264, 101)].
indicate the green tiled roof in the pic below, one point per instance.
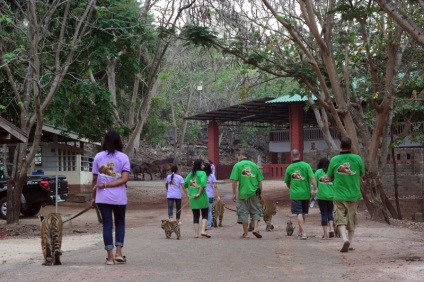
[(290, 98)]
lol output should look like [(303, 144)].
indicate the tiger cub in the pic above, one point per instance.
[(217, 213), (171, 226), (269, 208), (51, 238)]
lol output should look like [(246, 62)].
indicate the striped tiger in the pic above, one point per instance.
[(217, 213), (171, 226), (51, 238), (269, 208)]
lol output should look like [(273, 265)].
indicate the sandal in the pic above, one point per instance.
[(244, 237), (345, 247), (109, 262), (122, 259), (257, 234), (206, 235)]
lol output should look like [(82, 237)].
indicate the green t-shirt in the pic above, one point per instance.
[(193, 184), (298, 176), (346, 169), (325, 187), (248, 176)]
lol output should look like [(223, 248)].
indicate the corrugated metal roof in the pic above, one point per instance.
[(290, 98), (258, 111)]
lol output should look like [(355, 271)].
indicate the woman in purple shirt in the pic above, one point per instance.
[(174, 184), (111, 169)]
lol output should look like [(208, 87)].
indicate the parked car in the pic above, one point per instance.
[(38, 191)]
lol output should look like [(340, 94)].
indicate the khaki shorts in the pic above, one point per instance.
[(345, 214), (250, 206)]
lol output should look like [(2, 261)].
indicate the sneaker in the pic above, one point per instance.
[(331, 234), (180, 222), (301, 237)]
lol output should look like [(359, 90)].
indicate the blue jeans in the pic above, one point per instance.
[(326, 208), (171, 207), (118, 211), (210, 212)]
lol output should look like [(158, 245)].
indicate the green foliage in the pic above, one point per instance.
[(350, 11), (158, 124), (82, 107), (200, 36)]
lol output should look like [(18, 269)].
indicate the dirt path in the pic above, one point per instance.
[(382, 252)]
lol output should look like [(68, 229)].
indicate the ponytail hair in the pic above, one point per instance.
[(174, 169), (323, 163)]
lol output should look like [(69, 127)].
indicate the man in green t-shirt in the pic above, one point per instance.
[(249, 178), (345, 170), (299, 177)]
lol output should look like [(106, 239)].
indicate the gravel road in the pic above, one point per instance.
[(382, 252)]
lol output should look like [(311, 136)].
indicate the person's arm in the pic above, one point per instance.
[(166, 187), (217, 192), (260, 189), (94, 190), (184, 189), (314, 183), (234, 185), (286, 179), (118, 182), (200, 192)]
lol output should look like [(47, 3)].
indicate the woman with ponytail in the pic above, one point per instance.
[(174, 184)]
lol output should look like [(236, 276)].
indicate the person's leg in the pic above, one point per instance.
[(352, 220), (330, 217), (342, 221), (170, 207), (350, 234), (245, 230), (243, 217), (324, 222), (204, 222), (296, 209), (210, 213), (119, 214), (300, 222), (305, 210), (106, 212), (178, 208), (196, 215), (255, 211)]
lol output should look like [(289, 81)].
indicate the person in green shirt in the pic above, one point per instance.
[(325, 198), (195, 183), (247, 177), (299, 177), (345, 170)]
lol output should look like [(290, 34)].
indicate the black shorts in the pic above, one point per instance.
[(300, 206)]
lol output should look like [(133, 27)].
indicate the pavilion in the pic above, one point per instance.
[(285, 113)]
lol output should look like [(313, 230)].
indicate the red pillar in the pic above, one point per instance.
[(213, 142), (296, 127)]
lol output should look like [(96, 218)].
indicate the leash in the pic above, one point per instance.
[(183, 206), (78, 214), (230, 209)]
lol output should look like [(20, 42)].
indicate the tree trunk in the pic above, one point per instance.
[(375, 199)]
